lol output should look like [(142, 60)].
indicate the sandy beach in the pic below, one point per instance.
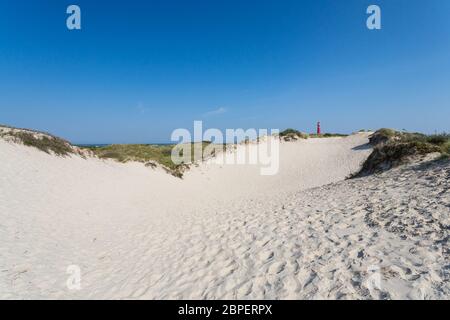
[(224, 231)]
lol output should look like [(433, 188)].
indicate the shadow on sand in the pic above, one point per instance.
[(365, 146)]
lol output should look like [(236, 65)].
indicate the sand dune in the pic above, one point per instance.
[(224, 231)]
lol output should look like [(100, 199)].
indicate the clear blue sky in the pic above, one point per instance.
[(139, 69)]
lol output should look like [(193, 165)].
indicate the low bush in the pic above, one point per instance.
[(392, 148)]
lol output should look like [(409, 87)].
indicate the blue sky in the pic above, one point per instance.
[(139, 69)]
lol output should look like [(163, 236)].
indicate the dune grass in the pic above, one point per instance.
[(327, 135), (43, 142), (392, 148), (149, 154), (436, 142), (292, 134), (135, 152)]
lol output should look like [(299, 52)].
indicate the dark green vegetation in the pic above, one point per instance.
[(422, 142), (41, 141), (292, 134), (392, 148)]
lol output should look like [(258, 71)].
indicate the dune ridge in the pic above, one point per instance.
[(224, 231)]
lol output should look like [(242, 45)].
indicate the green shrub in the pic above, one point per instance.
[(392, 148), (438, 139), (289, 131), (389, 133), (292, 134), (445, 148)]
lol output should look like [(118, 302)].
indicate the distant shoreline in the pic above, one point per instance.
[(99, 145)]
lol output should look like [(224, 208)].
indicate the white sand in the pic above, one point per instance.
[(223, 231)]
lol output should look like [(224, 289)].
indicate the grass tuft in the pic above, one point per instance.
[(46, 143), (292, 134)]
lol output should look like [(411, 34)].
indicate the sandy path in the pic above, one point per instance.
[(224, 231)]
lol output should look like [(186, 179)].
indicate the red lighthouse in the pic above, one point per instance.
[(318, 128)]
